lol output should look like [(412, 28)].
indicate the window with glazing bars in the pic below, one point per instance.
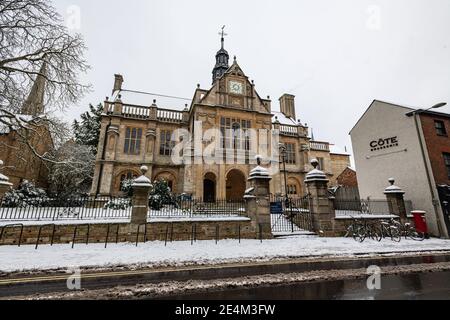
[(290, 153), (440, 128), (235, 133), (166, 144), (133, 138), (447, 163), (292, 189)]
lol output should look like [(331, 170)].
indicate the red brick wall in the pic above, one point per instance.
[(348, 178), (436, 145)]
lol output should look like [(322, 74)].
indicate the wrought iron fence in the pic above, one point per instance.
[(77, 208), (295, 215), (360, 206), (198, 208), (108, 208)]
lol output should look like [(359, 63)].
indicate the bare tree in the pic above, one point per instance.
[(35, 44)]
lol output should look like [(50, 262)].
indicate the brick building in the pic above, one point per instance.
[(411, 145), (436, 130), (348, 178), (20, 163), (136, 131)]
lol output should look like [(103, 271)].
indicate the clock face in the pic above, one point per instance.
[(236, 87)]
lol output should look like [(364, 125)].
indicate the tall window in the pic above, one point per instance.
[(166, 144), (321, 163), (290, 153), (447, 163), (133, 138), (292, 189), (440, 128), (235, 134)]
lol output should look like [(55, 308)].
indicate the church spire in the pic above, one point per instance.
[(34, 105), (222, 58)]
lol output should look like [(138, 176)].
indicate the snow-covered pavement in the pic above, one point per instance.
[(14, 258)]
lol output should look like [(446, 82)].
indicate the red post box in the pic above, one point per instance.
[(420, 222)]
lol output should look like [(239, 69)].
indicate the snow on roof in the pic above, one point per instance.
[(146, 100), (283, 119), (337, 150)]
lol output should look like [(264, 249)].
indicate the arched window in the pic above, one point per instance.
[(126, 176)]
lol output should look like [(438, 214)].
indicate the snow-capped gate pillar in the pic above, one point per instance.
[(321, 206), (394, 196), (258, 201), (141, 190), (5, 185)]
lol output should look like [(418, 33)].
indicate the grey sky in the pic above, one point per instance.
[(335, 56)]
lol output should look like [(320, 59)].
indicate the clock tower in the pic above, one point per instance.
[(222, 58)]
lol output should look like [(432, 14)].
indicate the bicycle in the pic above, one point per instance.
[(369, 230), (390, 230), (352, 229), (408, 231)]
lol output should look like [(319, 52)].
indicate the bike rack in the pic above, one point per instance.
[(13, 226), (217, 233), (194, 234), (239, 232), (260, 233), (107, 234), (138, 233), (75, 233), (40, 231), (167, 234)]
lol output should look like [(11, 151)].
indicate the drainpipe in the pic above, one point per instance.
[(435, 200)]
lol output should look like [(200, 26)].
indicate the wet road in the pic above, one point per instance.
[(419, 286)]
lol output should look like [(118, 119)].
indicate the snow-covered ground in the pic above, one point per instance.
[(203, 252)]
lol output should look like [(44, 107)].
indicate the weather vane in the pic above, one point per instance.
[(222, 33)]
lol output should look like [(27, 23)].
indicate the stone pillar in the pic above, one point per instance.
[(5, 185), (118, 106), (141, 190), (321, 207), (186, 114), (394, 196), (258, 201)]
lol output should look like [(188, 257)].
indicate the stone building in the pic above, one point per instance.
[(20, 163), (133, 134)]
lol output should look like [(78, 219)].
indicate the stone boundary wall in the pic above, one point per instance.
[(156, 231)]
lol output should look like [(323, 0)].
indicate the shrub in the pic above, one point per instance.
[(26, 195), (160, 195)]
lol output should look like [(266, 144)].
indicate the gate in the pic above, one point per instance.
[(290, 216), (444, 197)]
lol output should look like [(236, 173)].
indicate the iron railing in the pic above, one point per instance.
[(295, 216), (108, 208), (361, 207), (198, 208), (50, 209)]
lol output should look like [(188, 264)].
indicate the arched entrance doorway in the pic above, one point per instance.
[(209, 188), (235, 185)]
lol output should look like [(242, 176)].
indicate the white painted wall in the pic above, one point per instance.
[(374, 168)]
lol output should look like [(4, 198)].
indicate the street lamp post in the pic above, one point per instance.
[(287, 202), (435, 200)]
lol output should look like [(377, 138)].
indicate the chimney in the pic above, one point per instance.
[(287, 105), (118, 80)]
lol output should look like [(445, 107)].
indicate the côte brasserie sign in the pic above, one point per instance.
[(384, 143)]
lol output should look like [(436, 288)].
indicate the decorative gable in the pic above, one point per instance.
[(234, 90)]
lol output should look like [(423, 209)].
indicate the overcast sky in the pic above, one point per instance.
[(334, 56)]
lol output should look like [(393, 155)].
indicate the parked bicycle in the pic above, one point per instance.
[(408, 231), (391, 230), (360, 230)]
